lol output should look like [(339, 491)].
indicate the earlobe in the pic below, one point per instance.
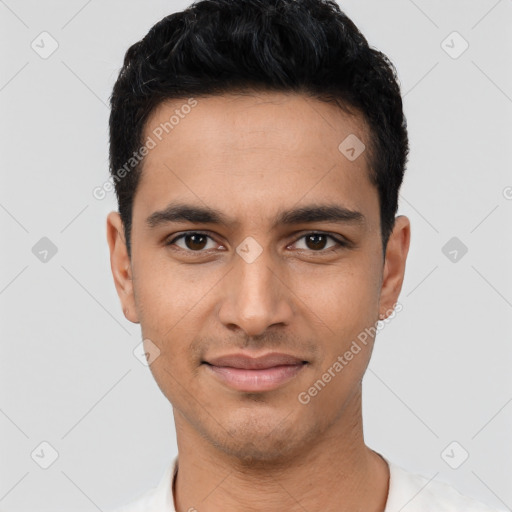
[(120, 265), (394, 265)]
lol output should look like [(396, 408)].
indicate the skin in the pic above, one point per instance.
[(252, 156)]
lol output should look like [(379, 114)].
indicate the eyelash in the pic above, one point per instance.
[(339, 243)]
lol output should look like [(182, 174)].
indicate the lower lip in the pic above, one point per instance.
[(256, 380)]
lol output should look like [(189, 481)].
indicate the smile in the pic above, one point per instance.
[(255, 380), (255, 374)]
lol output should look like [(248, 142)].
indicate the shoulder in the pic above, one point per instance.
[(410, 492)]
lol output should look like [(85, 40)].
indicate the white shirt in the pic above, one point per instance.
[(408, 492)]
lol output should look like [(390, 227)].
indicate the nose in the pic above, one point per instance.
[(255, 296)]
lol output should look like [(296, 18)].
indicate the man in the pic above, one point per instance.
[(257, 148)]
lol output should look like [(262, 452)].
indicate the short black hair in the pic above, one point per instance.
[(216, 47)]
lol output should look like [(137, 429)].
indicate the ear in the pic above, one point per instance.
[(120, 265), (394, 265)]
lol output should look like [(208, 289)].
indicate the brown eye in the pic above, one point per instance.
[(316, 241), (319, 242), (192, 242), (196, 241)]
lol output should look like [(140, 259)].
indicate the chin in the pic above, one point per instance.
[(252, 454), (261, 440)]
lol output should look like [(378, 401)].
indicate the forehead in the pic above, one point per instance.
[(292, 122), (250, 149)]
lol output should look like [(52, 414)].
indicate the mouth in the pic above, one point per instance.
[(255, 374)]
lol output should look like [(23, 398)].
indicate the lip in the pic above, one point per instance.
[(255, 374), (246, 362)]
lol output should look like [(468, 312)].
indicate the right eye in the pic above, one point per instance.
[(192, 241)]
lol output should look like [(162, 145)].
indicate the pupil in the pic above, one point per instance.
[(316, 244), (196, 241)]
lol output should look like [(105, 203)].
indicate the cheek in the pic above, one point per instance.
[(345, 298), (168, 318), (347, 305), (167, 296), (168, 307)]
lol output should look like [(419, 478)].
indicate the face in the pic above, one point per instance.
[(256, 264)]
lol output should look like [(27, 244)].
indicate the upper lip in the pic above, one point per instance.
[(246, 362)]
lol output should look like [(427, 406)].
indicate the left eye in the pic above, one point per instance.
[(193, 241), (317, 241)]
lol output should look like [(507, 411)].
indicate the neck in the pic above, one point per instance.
[(335, 473)]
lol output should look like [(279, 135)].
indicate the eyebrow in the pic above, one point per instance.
[(302, 215)]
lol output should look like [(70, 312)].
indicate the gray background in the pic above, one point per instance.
[(441, 369)]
